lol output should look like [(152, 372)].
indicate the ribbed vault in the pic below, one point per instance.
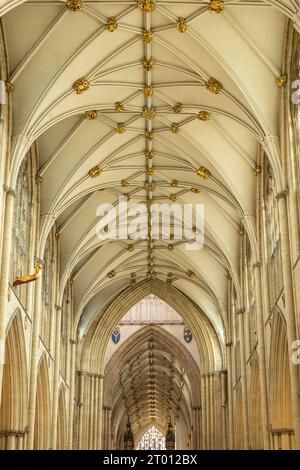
[(151, 379), (166, 113)]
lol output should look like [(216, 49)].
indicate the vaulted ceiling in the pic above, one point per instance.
[(170, 105)]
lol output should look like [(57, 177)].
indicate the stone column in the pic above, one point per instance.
[(11, 440), (4, 278), (223, 379), (240, 313), (56, 377), (81, 405), (100, 415), (230, 394), (72, 394), (204, 411), (262, 356), (96, 411), (34, 360), (290, 313)]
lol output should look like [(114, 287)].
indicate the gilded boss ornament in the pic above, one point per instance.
[(174, 128), (119, 107), (111, 25), (148, 63), (214, 86), (203, 172), (147, 37), (121, 129), (216, 6), (74, 5), (181, 25), (95, 171), (148, 90), (147, 6), (90, 115), (81, 85), (204, 116), (177, 108), (282, 80), (149, 114)]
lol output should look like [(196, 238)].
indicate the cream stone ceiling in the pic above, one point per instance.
[(50, 47)]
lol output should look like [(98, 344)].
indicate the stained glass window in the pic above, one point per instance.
[(152, 440)]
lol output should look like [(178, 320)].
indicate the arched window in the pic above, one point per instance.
[(20, 263), (153, 439)]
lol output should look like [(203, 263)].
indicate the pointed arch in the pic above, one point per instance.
[(255, 419), (13, 411), (280, 384), (61, 420), (42, 407)]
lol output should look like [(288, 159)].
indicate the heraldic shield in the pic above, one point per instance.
[(116, 335), (187, 334)]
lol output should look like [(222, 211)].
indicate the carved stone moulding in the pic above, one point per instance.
[(214, 86), (81, 85)]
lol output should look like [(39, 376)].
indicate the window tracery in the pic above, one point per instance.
[(153, 439)]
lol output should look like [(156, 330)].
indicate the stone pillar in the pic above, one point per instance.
[(91, 410), (4, 278), (100, 415), (240, 313), (223, 379), (71, 396), (34, 360), (11, 440), (96, 411), (204, 411), (290, 313), (56, 377), (262, 356), (230, 394), (81, 406)]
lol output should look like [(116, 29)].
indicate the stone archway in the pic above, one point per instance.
[(43, 408), (13, 411)]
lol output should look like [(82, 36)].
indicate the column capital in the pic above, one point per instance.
[(73, 341), (241, 310), (9, 191), (58, 308), (229, 344), (256, 265), (282, 194)]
